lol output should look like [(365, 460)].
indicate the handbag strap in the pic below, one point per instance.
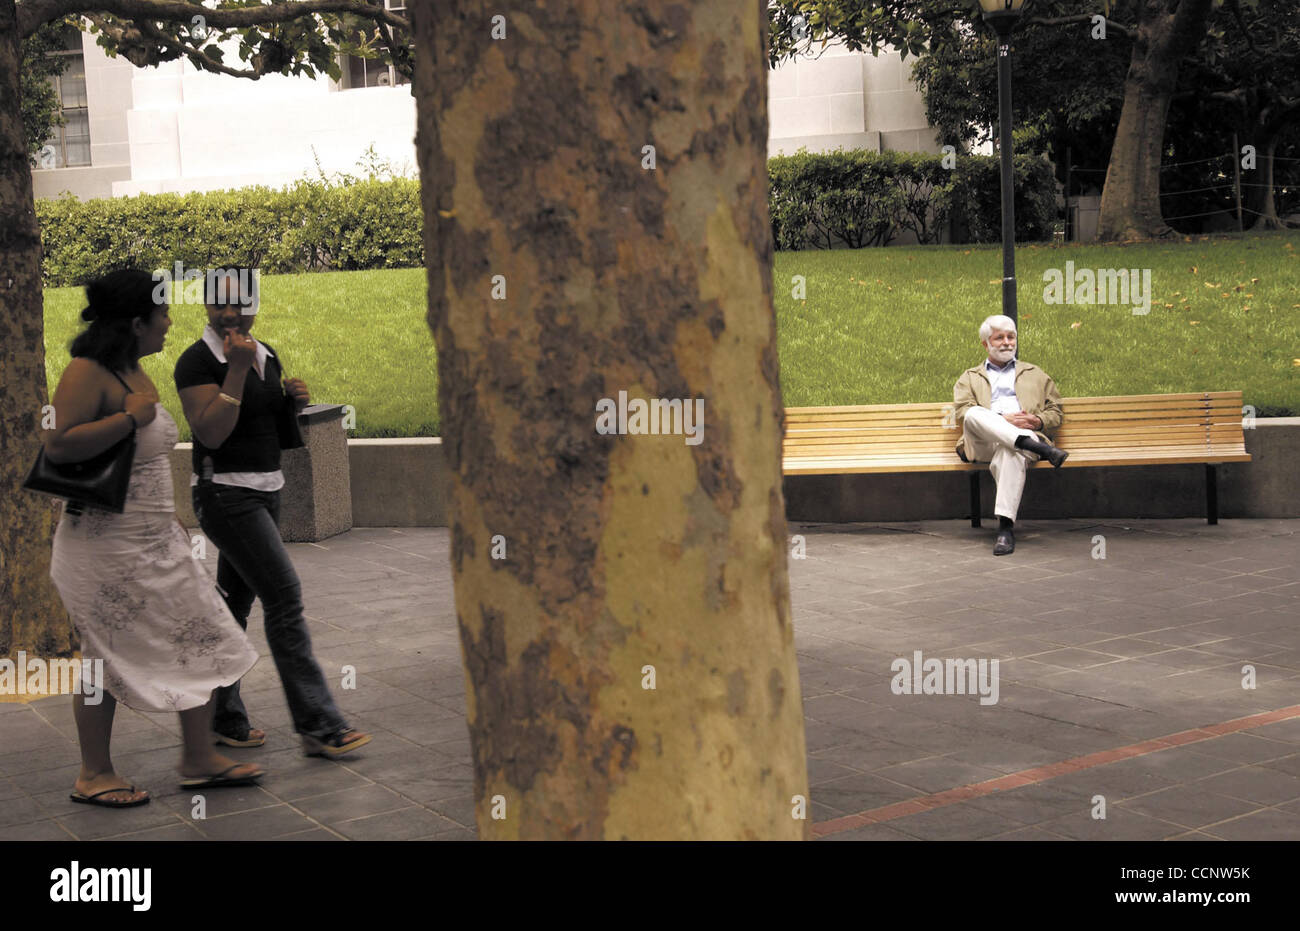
[(129, 390)]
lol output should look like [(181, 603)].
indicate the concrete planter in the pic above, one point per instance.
[(316, 502)]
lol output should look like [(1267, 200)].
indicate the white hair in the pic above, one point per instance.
[(995, 322)]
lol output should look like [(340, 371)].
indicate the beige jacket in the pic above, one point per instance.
[(1035, 391)]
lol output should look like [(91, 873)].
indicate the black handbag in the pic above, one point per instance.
[(286, 421), (99, 482)]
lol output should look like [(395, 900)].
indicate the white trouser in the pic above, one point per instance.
[(991, 438)]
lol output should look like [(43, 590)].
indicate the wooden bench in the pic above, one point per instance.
[(1145, 429)]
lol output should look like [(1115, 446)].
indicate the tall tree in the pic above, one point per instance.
[(622, 599), (1252, 65), (1167, 32), (282, 37), (1163, 34)]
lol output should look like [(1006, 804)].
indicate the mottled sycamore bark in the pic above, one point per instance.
[(622, 552), (31, 616), (1167, 31)]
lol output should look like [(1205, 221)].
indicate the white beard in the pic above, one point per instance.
[(1002, 356)]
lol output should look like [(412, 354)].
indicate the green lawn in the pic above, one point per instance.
[(878, 326), (893, 325)]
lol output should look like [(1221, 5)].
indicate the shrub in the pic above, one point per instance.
[(309, 226), (860, 198)]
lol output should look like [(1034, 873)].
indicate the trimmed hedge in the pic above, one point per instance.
[(856, 198), (860, 198), (309, 226)]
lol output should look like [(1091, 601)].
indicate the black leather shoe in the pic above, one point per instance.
[(1005, 544), (1047, 451)]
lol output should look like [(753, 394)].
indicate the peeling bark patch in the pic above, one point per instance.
[(780, 575), (622, 740), (776, 691), (462, 545), (736, 690), (467, 256), (518, 708), (663, 27)]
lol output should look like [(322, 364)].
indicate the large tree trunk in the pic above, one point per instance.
[(31, 616), (1130, 201), (622, 552)]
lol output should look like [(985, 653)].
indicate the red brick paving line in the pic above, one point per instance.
[(1042, 773)]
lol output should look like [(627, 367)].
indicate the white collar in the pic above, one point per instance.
[(990, 366), (218, 347)]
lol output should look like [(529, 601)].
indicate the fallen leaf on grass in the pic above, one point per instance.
[(1076, 325)]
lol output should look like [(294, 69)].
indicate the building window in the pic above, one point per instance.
[(71, 141), (371, 72)]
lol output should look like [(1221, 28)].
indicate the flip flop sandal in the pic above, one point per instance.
[(248, 741), (109, 803), (221, 779), (333, 745)]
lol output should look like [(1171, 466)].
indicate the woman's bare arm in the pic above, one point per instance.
[(77, 435), (212, 419)]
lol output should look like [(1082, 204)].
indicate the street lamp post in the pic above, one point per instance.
[(1003, 15)]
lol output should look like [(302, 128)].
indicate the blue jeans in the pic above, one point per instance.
[(244, 526)]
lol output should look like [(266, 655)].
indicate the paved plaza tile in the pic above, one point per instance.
[(1117, 678)]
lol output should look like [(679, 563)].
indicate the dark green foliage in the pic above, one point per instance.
[(860, 198), (311, 226)]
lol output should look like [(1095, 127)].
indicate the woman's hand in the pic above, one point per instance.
[(240, 349), (296, 389), (140, 405)]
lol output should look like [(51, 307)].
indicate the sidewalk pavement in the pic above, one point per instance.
[(1121, 679)]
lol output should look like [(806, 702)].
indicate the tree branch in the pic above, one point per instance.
[(170, 49), (32, 14), (1079, 18)]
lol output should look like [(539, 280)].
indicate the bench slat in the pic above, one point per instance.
[(1148, 401), (1159, 429)]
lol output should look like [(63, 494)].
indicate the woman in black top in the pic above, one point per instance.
[(230, 387)]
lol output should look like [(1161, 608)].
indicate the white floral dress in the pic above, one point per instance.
[(139, 598)]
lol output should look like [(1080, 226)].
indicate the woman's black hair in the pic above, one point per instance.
[(116, 300)]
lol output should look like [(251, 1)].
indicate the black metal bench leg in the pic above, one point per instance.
[(974, 499), (1211, 495)]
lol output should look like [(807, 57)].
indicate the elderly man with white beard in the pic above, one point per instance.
[(1007, 410)]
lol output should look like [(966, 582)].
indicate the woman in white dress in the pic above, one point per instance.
[(139, 600)]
